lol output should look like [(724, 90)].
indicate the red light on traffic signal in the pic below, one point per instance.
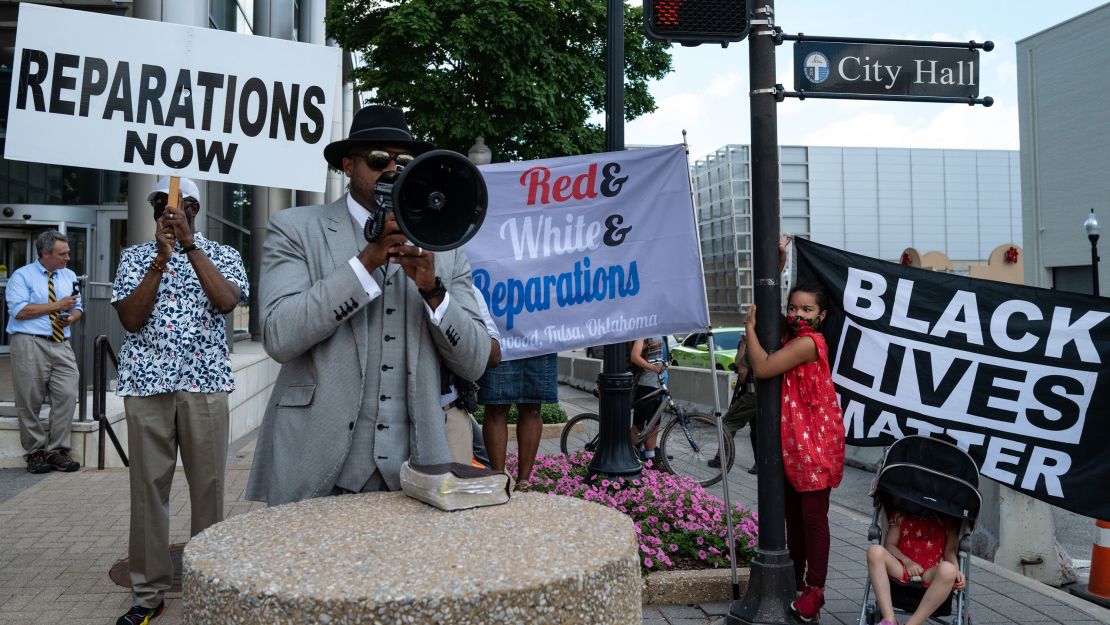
[(691, 22), (666, 12)]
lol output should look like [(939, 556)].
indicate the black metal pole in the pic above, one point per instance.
[(771, 586), (1094, 263), (971, 45), (970, 100), (615, 454), (78, 343), (98, 395)]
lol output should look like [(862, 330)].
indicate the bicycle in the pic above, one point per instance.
[(687, 441)]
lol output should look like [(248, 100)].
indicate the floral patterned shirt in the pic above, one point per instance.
[(812, 424), (183, 345)]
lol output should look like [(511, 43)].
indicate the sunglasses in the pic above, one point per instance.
[(379, 159), (159, 203)]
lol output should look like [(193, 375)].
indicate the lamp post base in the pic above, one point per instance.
[(615, 455), (770, 591)]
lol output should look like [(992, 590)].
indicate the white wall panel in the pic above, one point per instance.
[(927, 197), (895, 202), (826, 193), (861, 201), (961, 196)]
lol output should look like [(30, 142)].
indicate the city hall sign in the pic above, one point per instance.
[(886, 70)]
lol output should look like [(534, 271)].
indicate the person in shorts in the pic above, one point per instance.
[(528, 383)]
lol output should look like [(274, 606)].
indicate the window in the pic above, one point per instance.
[(229, 216), (232, 15), (40, 183), (229, 221)]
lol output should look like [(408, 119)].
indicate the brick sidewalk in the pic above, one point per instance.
[(60, 535), (997, 595)]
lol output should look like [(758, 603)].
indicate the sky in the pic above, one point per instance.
[(707, 93)]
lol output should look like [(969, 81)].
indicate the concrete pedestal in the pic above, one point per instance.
[(385, 558)]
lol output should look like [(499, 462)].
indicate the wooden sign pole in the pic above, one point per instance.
[(173, 200)]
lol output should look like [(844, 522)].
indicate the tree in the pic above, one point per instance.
[(525, 74)]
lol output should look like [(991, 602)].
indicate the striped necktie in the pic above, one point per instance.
[(57, 333)]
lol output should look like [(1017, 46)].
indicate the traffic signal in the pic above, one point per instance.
[(694, 22)]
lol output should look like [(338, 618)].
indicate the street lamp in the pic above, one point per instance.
[(615, 455), (1093, 229), (479, 153)]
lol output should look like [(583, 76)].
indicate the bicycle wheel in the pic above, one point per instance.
[(580, 434), (686, 451)]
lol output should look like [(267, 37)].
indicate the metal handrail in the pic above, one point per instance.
[(102, 352)]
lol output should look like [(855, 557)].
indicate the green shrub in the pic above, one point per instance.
[(550, 413)]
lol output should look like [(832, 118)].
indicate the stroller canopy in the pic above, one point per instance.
[(930, 473)]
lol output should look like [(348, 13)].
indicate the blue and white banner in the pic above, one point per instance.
[(589, 250)]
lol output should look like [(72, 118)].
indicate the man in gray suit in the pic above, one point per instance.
[(363, 331)]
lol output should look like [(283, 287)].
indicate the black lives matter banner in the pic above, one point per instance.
[(138, 95), (1014, 375)]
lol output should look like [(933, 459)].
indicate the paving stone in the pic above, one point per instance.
[(982, 614), (62, 532), (715, 609), (671, 612)]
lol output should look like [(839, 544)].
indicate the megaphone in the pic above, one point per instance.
[(439, 200)]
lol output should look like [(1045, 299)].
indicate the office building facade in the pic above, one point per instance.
[(1064, 160), (872, 201)]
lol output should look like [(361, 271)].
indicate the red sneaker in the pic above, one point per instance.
[(807, 607)]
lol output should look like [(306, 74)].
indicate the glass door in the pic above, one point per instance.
[(16, 250)]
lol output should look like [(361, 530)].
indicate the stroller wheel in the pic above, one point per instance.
[(872, 614)]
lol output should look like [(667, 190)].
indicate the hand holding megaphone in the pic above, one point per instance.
[(438, 201), (377, 252), (418, 264)]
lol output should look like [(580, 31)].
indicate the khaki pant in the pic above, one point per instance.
[(460, 435), (157, 427), (40, 365)]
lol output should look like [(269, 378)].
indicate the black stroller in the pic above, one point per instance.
[(939, 476)]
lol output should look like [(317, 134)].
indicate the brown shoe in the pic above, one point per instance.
[(36, 462), (60, 460)]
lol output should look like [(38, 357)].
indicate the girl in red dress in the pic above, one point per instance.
[(812, 439), (919, 547)]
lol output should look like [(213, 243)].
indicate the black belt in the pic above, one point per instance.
[(45, 337)]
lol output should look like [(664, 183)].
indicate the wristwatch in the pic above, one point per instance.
[(189, 248), (437, 291)]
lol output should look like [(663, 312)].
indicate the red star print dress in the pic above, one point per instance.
[(812, 424), (921, 540)]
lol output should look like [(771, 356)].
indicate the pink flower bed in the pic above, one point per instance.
[(678, 523)]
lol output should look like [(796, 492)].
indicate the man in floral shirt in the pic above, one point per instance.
[(171, 295)]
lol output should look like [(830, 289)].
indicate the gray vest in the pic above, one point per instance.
[(381, 436)]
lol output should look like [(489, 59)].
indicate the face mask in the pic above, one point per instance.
[(798, 322)]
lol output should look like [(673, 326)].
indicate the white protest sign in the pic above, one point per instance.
[(138, 95), (588, 250)]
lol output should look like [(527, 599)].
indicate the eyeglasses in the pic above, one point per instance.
[(379, 159), (159, 203)]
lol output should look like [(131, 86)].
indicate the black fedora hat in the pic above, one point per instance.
[(379, 124)]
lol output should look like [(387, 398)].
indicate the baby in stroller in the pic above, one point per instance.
[(920, 546), (928, 491)]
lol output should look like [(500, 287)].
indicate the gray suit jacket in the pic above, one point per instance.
[(314, 323)]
